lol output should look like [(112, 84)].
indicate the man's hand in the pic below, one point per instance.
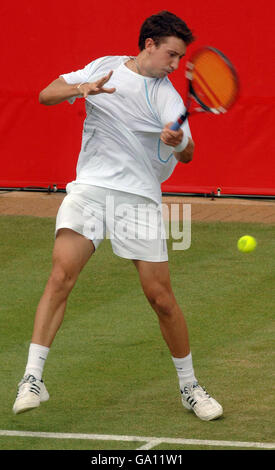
[(169, 137), (97, 87), (59, 91), (174, 138)]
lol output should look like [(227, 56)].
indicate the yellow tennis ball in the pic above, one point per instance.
[(246, 243)]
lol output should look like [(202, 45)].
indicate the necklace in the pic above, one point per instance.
[(136, 64)]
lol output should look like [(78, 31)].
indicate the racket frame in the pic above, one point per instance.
[(192, 94)]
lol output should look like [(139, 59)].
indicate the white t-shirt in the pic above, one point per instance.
[(121, 147)]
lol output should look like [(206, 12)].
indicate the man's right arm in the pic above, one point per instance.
[(59, 90)]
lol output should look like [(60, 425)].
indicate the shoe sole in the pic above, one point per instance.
[(206, 418), (28, 407), (210, 417), (25, 408)]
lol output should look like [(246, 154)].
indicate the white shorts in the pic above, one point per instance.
[(133, 223)]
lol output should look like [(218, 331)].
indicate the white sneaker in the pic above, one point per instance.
[(31, 392), (196, 398)]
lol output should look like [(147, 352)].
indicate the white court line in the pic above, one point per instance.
[(150, 442)]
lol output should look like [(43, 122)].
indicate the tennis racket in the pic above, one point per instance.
[(213, 84)]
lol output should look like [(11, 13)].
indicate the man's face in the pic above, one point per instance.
[(164, 58)]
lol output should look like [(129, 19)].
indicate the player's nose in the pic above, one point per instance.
[(174, 64)]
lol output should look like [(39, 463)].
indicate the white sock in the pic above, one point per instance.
[(36, 360), (185, 371)]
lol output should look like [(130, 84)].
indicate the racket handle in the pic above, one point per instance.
[(176, 125)]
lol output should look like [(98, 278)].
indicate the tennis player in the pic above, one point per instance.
[(127, 151)]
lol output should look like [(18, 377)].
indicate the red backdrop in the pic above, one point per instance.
[(39, 145)]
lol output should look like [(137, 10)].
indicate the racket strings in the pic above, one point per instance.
[(213, 80)]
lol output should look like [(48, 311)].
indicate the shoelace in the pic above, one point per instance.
[(194, 392), (28, 384), (201, 393), (28, 378)]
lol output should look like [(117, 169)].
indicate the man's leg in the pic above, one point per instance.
[(155, 281), (70, 254)]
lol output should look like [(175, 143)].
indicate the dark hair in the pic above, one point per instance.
[(161, 25)]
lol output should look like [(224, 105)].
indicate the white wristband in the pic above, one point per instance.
[(183, 144)]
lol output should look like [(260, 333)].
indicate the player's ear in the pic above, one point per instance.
[(149, 44)]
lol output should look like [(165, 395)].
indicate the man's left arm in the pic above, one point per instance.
[(183, 145)]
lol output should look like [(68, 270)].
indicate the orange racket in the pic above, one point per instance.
[(213, 83)]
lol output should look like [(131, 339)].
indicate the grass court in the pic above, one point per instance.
[(109, 371)]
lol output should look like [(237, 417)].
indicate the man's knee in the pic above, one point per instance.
[(62, 279), (161, 299)]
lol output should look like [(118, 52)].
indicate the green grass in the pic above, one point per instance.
[(109, 370)]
